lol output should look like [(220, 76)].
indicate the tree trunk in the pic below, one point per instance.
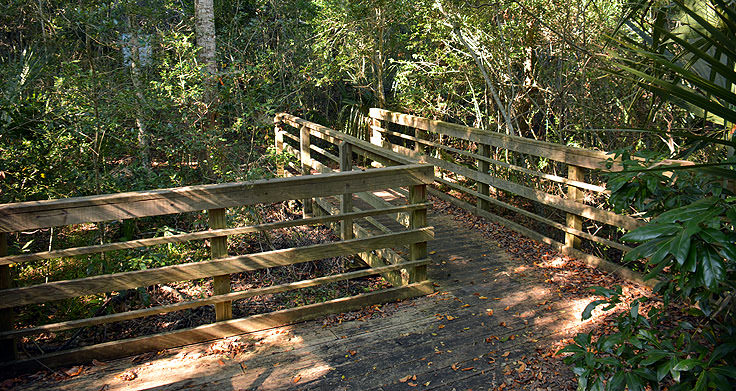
[(204, 15), (135, 76)]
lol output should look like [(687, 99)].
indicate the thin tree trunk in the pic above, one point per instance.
[(135, 76), (204, 15)]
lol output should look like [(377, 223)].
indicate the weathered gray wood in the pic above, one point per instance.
[(378, 202), (138, 243), (532, 215), (482, 158), (232, 296), (483, 167), (591, 260), (418, 250), (42, 214), (218, 249), (377, 257), (279, 141), (128, 280), (361, 147), (324, 153), (562, 153), (565, 205), (574, 221), (305, 157), (7, 344), (128, 347), (346, 199)]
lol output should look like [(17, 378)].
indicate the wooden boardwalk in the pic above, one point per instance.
[(444, 341)]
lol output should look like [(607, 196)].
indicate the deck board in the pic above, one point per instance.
[(465, 267)]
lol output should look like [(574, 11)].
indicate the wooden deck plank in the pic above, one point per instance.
[(469, 272)]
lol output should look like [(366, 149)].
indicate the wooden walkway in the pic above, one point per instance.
[(444, 341)]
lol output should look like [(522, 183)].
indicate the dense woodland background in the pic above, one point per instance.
[(113, 96)]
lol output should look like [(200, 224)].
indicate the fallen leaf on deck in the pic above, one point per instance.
[(490, 312), (507, 308), (221, 362), (411, 384), (352, 352), (483, 298), (98, 363), (467, 369), (441, 326), (127, 376), (74, 371), (465, 305), (505, 354), (405, 379), (521, 368), (454, 367), (502, 324), (450, 317), (297, 378)]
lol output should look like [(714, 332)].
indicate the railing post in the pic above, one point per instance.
[(418, 219), (8, 350), (306, 160), (573, 193), (346, 200), (483, 167), (376, 135), (278, 130), (218, 249), (421, 135)]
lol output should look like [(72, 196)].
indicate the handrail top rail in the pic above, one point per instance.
[(588, 158), (89, 209)]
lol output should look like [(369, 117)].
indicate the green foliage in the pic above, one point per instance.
[(690, 242)]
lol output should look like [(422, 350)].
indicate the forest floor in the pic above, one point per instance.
[(503, 306)]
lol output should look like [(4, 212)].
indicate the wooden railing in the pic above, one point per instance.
[(215, 199), (322, 150), (474, 167), (480, 165)]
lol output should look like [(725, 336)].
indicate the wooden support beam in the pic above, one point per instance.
[(58, 290), (218, 249), (574, 221), (164, 309), (483, 167), (50, 213), (279, 139), (208, 332), (346, 199), (418, 250), (305, 158), (7, 345)]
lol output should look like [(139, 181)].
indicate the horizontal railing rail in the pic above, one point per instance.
[(466, 165), (38, 215)]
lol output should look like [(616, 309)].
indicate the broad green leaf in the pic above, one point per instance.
[(650, 231), (713, 269), (680, 247), (686, 365)]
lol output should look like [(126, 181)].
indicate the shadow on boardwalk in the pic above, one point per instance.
[(492, 324)]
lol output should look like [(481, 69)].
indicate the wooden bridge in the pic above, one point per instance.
[(482, 313)]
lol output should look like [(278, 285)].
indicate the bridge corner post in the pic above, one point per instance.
[(418, 219), (483, 167), (8, 348), (278, 130), (346, 200), (574, 221), (218, 249), (306, 160)]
